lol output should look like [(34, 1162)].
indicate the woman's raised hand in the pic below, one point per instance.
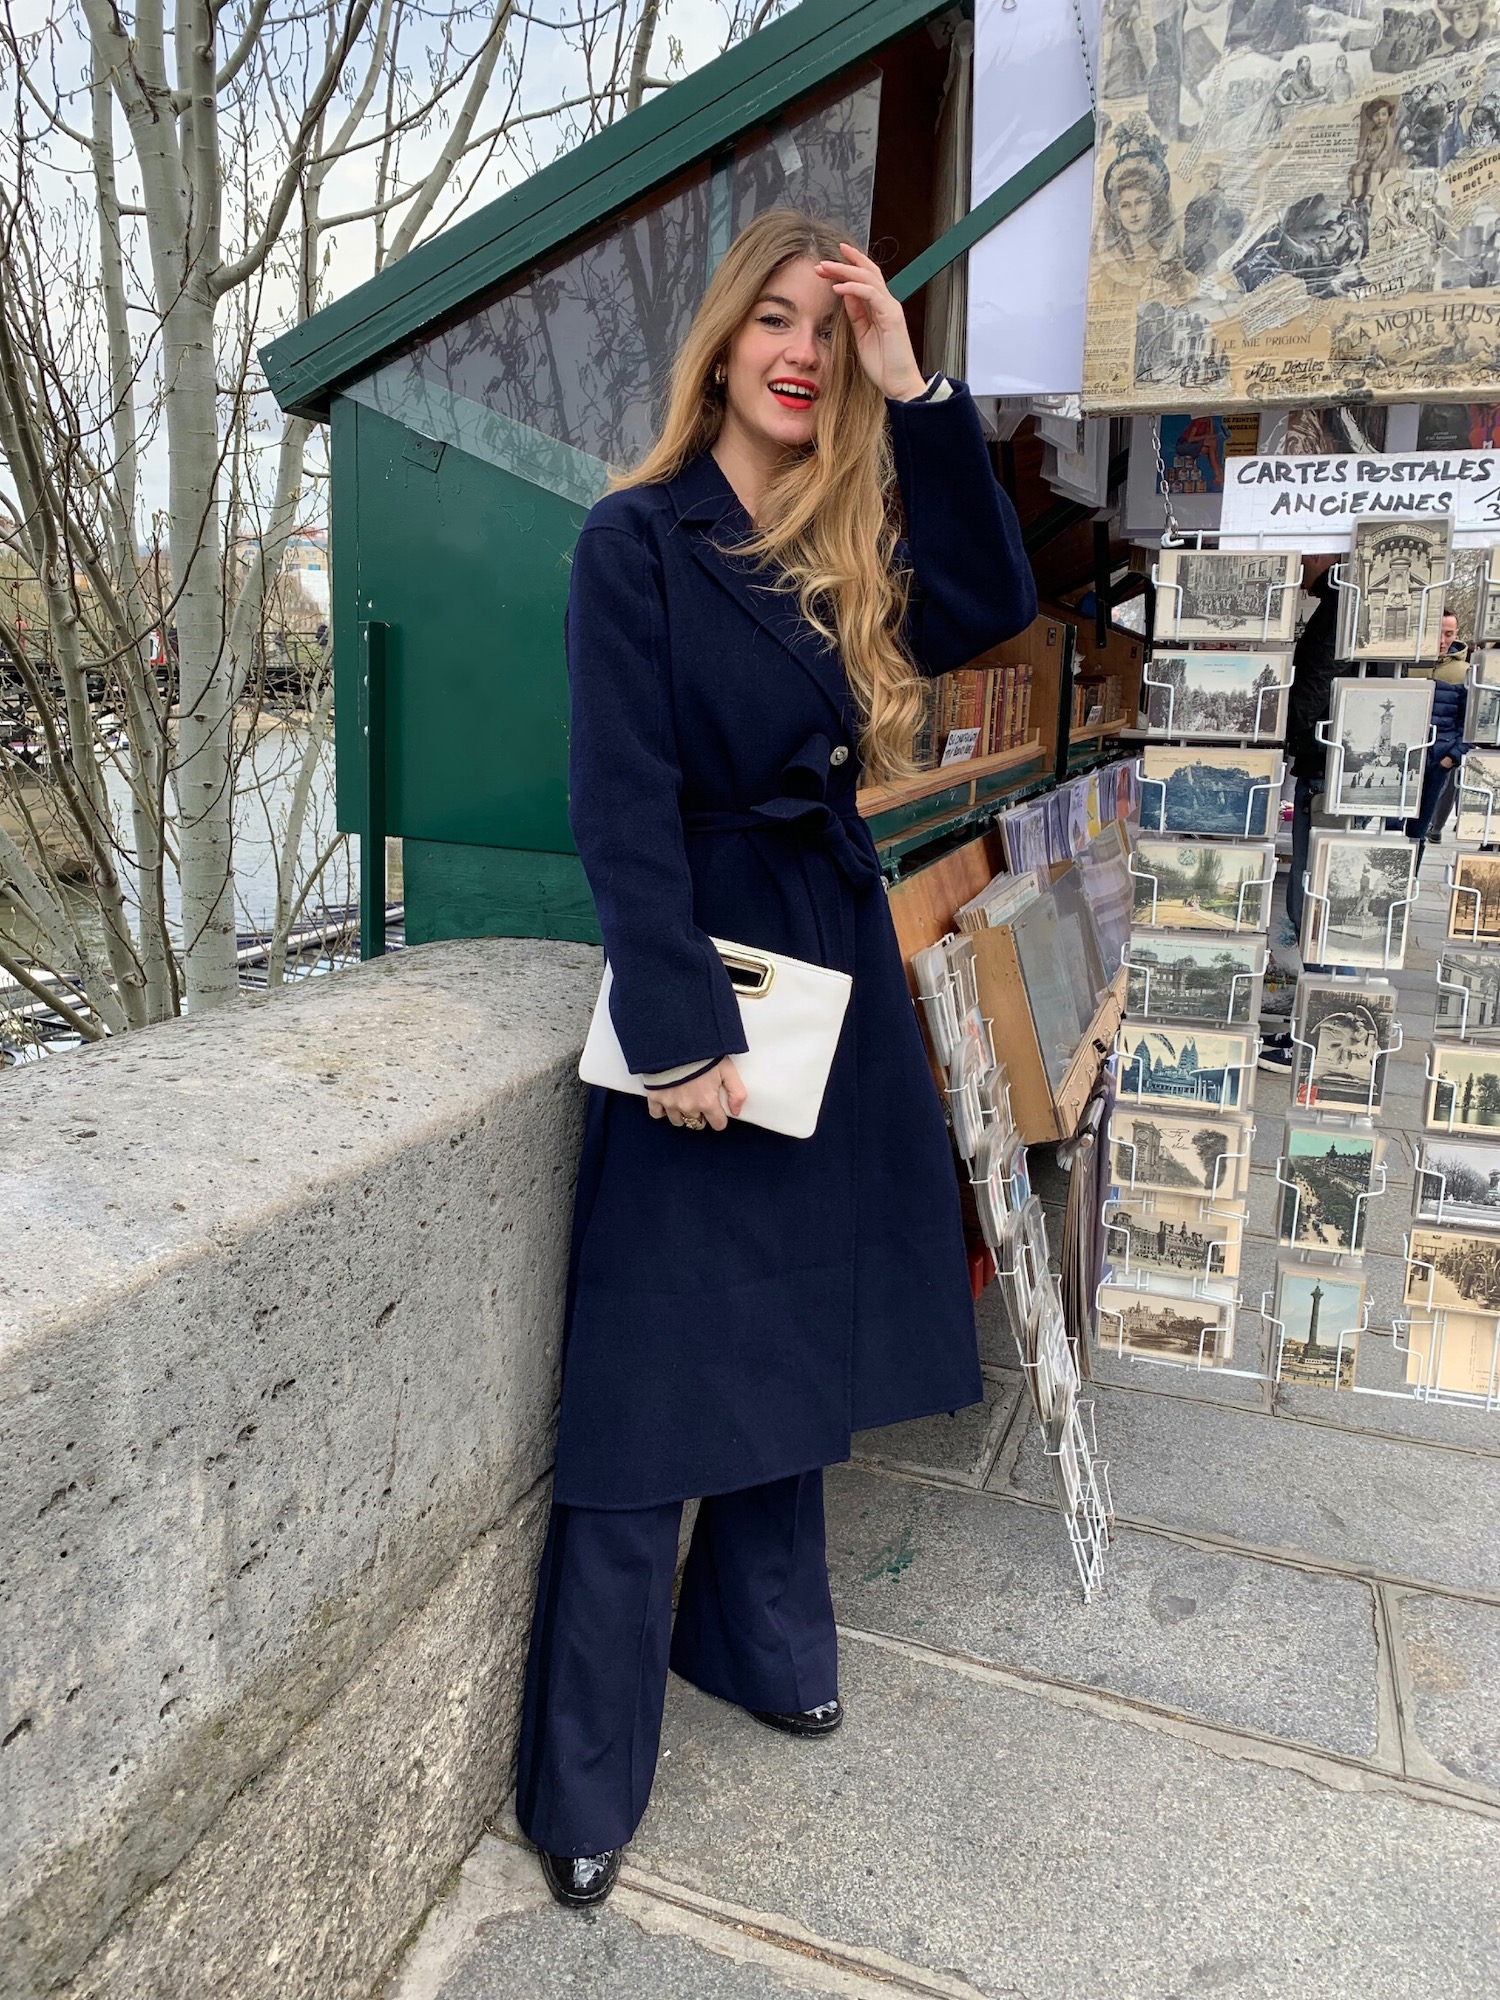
[(713, 1099), (879, 325)]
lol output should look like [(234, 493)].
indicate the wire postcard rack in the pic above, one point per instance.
[(1451, 1357), (1069, 1432)]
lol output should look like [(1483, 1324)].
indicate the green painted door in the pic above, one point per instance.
[(467, 566)]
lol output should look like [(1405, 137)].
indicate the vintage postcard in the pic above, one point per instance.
[(1183, 1066), (1326, 1175), (1171, 1236), (1200, 885), (1320, 1314), (1477, 798), (1453, 1353), (1164, 1326), (1179, 1152), (1474, 902), (1445, 1268), (1482, 715), (1468, 990), (1361, 896), (1487, 615), (1183, 976), (1342, 1033), (1379, 732), (1233, 793), (1292, 205), (1394, 584), (1458, 1183), (1217, 694), (1228, 595), (1463, 1094)]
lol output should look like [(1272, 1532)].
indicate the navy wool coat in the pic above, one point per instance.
[(739, 1302)]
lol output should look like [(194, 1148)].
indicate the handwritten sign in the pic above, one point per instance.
[(961, 745), (1311, 503)]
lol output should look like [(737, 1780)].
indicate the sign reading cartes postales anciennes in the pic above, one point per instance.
[(1296, 201)]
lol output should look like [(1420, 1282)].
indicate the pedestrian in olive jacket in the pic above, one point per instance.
[(745, 618)]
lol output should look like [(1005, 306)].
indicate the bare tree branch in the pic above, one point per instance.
[(229, 275), (23, 976), (235, 61)]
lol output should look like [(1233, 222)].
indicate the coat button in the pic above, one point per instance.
[(839, 754)]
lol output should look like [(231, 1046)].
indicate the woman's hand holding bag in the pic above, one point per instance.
[(713, 1099)]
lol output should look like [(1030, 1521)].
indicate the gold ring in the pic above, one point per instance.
[(695, 1124)]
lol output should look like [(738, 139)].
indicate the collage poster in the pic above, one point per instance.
[(1294, 202)]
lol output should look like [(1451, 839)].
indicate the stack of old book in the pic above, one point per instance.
[(994, 702), (1096, 698)]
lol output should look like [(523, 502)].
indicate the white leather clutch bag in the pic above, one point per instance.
[(792, 1012)]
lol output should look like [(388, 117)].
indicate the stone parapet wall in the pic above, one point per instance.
[(280, 1310)]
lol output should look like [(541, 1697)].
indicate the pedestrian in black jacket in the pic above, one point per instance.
[(1315, 667), (1449, 677)]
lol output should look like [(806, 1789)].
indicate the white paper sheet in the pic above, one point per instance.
[(1027, 278)]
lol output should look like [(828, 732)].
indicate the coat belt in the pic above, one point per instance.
[(812, 820), (801, 807)]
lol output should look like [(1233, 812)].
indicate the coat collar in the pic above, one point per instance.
[(707, 507)]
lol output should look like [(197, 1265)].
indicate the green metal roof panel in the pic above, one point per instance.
[(743, 87)]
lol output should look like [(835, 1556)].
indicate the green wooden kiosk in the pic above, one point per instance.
[(479, 390)]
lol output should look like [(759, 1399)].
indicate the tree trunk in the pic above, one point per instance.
[(203, 764), (145, 723)]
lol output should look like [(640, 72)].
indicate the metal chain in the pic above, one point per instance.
[(1171, 535), (1083, 43)]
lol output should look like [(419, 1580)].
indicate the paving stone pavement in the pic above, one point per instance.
[(1263, 1764)]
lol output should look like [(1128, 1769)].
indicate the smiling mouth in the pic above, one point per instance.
[(793, 395)]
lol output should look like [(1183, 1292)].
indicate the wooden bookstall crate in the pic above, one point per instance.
[(925, 802)]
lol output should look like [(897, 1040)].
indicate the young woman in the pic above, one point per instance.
[(749, 613)]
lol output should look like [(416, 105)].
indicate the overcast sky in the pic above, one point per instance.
[(552, 70)]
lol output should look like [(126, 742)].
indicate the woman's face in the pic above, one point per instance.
[(778, 362), (1134, 210)]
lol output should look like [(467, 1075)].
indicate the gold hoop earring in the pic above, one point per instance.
[(721, 375)]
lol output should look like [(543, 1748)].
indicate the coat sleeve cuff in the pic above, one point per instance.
[(663, 1079), (939, 389)]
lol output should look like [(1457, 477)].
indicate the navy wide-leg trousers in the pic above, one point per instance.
[(754, 1626)]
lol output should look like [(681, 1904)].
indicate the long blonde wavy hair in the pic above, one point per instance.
[(830, 519)]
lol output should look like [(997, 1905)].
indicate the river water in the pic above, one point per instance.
[(270, 758)]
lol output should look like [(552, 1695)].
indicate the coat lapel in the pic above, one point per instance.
[(712, 519)]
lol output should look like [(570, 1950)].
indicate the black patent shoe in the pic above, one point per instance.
[(579, 1881), (819, 1721)]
